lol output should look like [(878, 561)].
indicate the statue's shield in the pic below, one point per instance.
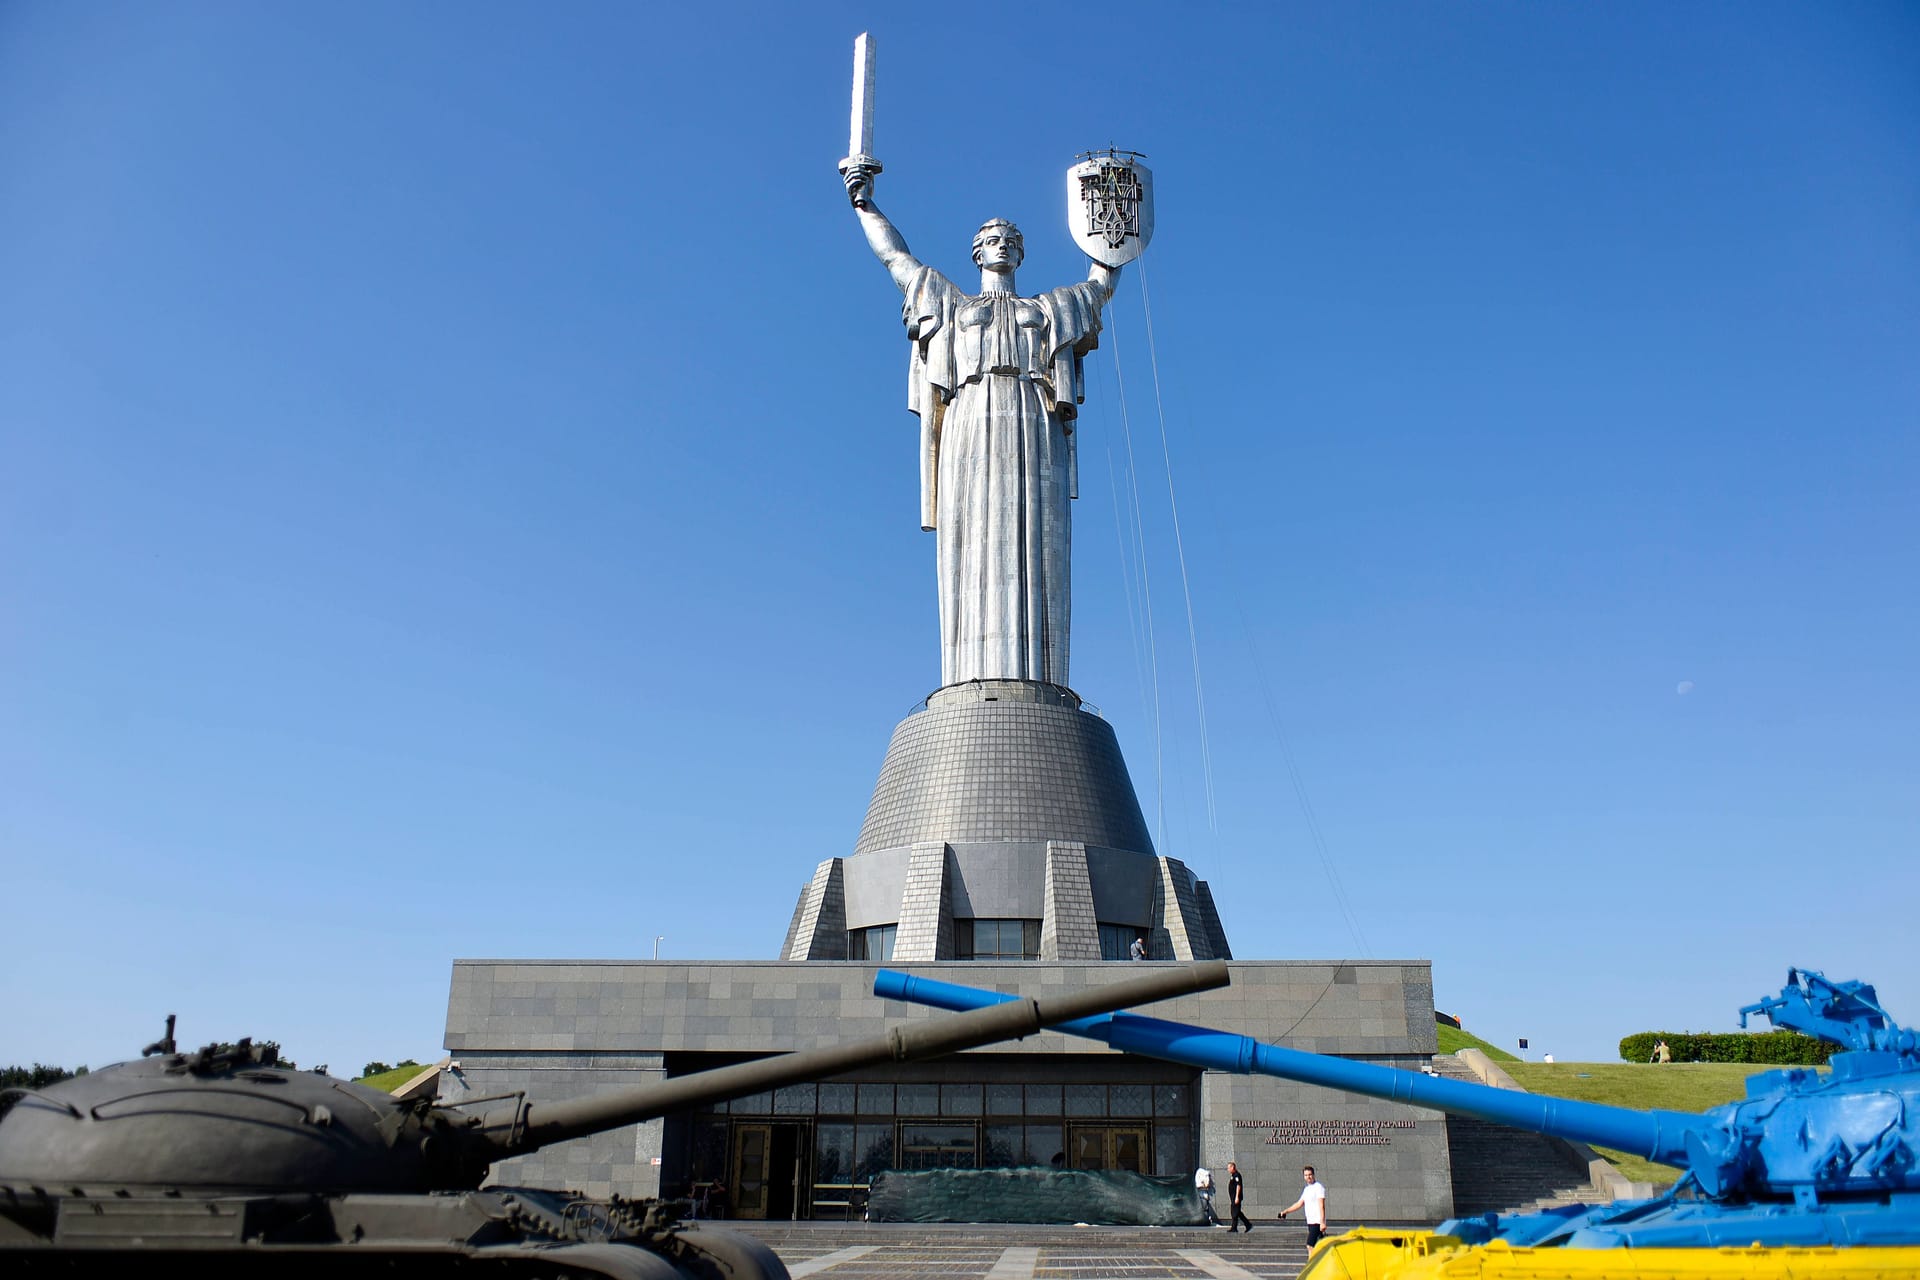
[(1110, 206)]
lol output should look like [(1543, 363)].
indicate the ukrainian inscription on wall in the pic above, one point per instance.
[(1327, 1133)]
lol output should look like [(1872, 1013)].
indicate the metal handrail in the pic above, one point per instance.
[(1090, 708)]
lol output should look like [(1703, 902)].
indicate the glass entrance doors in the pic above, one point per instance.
[(815, 1148), (1104, 1146), (769, 1169), (752, 1145)]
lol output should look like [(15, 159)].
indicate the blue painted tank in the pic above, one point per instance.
[(1809, 1157)]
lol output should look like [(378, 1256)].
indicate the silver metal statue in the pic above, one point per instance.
[(996, 380)]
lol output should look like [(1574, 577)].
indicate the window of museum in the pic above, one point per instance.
[(996, 939), (938, 1146), (860, 1129), (874, 943)]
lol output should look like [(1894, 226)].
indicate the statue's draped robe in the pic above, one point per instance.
[(996, 380)]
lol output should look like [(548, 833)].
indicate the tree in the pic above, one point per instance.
[(38, 1076)]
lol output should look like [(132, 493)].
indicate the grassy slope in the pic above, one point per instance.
[(1453, 1040), (1676, 1086), (388, 1081)]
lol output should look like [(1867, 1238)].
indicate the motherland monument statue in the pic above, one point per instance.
[(997, 380), (1004, 831), (1004, 824)]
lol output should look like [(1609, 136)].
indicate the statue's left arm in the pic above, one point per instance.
[(1074, 316), (1108, 278), (1074, 321)]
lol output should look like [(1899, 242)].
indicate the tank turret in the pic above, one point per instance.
[(219, 1152), (1809, 1157)]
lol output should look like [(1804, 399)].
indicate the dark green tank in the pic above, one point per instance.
[(218, 1158)]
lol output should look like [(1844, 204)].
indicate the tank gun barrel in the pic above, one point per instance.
[(526, 1127), (1657, 1135)]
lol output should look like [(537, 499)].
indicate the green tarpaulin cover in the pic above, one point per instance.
[(1034, 1195)]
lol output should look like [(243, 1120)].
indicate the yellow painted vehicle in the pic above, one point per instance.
[(1371, 1253)]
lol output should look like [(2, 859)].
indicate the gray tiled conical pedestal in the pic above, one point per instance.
[(1005, 800)]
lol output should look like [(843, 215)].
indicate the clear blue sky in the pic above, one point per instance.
[(457, 497)]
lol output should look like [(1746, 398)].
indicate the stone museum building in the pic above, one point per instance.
[(562, 1028), (1003, 847)]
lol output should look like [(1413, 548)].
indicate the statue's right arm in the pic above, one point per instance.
[(883, 237)]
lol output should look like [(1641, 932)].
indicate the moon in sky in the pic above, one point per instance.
[(1685, 687)]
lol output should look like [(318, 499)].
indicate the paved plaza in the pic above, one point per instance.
[(1018, 1252)]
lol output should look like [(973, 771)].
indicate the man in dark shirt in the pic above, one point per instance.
[(1236, 1192)]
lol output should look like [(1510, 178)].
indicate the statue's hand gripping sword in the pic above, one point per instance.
[(860, 128)]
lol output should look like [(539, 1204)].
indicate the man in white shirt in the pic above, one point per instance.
[(1313, 1197), (1203, 1183)]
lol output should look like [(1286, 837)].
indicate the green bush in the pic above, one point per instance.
[(1778, 1048)]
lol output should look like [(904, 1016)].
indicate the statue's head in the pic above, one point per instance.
[(998, 244)]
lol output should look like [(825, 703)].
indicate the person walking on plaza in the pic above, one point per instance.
[(1313, 1197), (1203, 1183), (1236, 1196)]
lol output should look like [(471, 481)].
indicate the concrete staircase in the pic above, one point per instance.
[(1502, 1170)]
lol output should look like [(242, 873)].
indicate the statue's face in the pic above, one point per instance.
[(998, 247)]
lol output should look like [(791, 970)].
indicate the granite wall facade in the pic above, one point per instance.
[(561, 1029)]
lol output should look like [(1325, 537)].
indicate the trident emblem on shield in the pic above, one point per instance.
[(1110, 206)]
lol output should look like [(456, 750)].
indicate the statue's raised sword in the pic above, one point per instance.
[(860, 127)]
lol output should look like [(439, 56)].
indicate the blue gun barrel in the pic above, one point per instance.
[(1656, 1135)]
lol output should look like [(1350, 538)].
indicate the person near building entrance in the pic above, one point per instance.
[(1236, 1197), (1138, 951), (1313, 1198), (1203, 1183)]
